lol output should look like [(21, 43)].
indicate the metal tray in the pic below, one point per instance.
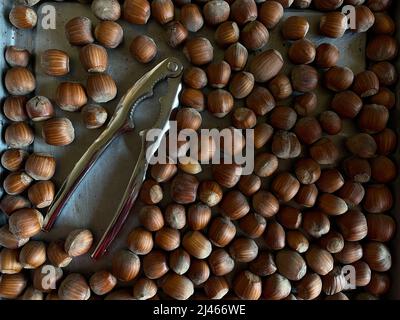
[(96, 199)]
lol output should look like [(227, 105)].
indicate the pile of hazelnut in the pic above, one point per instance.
[(274, 234)]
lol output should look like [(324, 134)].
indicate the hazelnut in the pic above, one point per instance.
[(295, 28), (216, 12), (244, 118), (79, 31), (270, 13), (308, 130), (378, 256), (332, 241), (364, 19), (33, 255), (285, 186), (347, 104), (176, 33), (266, 65), (196, 78), (25, 223), (307, 195), (333, 282), (216, 287), (234, 205), (9, 204), (243, 249), (352, 193), (57, 255), (381, 48), (274, 236), (386, 141), (378, 198), (94, 58), (297, 241), (265, 203), (327, 55), (155, 264), (151, 192), (243, 11), (262, 134), (379, 5), (241, 84), (14, 108), (144, 289), (94, 116), (305, 104), (381, 227), (178, 287), (106, 10), (373, 118), (218, 74), (285, 145), (289, 217), (175, 216), (333, 24), (167, 239), (102, 282), (191, 17), (9, 261), (330, 122), (40, 166), (9, 240), (184, 188), (227, 33), (302, 52), (41, 194), (236, 55), (227, 175), (210, 192), (331, 204), (260, 100), (383, 169), (366, 84), (74, 287), (19, 135), (136, 11), (70, 96), (17, 57), (23, 17), (304, 78), (384, 24), (254, 35), (338, 78), (196, 244), (198, 272), (162, 11), (384, 97), (247, 286), (19, 81), (143, 48), (193, 98), (319, 260), (276, 287), (109, 34), (379, 283), (39, 108), (58, 132), (357, 169), (362, 145), (16, 183), (280, 87), (125, 265), (55, 62), (140, 241), (330, 180), (291, 265), (101, 87), (386, 73), (253, 225), (263, 265), (221, 231), (198, 51), (315, 223), (198, 216), (324, 151), (78, 242), (309, 287), (353, 225), (12, 285), (265, 164), (307, 171), (13, 159), (220, 262)]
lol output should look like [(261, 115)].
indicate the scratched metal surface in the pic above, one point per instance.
[(96, 199)]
